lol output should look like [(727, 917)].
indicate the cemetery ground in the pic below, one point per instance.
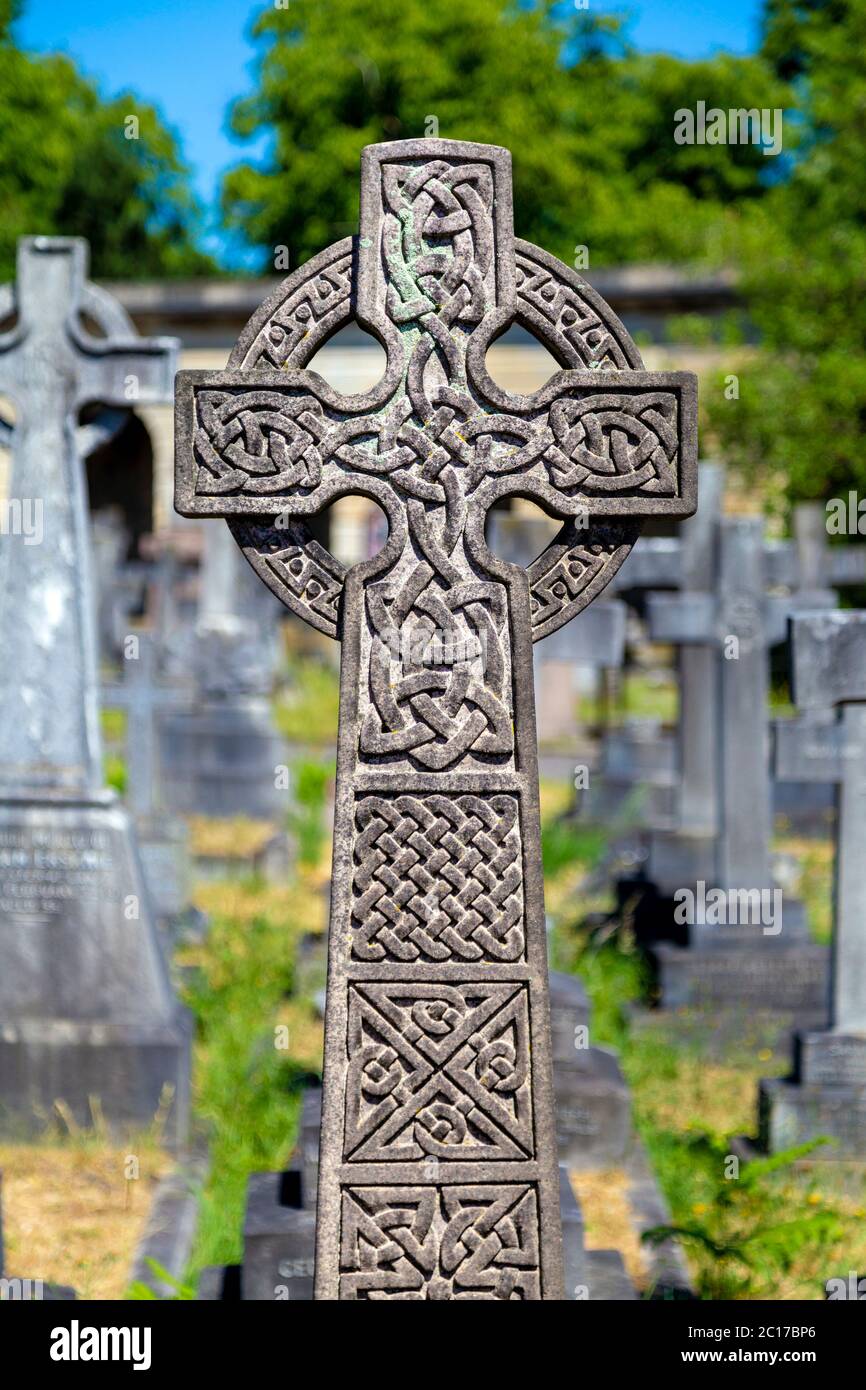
[(255, 986)]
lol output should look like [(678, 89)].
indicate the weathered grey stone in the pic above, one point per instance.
[(49, 733), (734, 629), (826, 1093), (569, 1016), (163, 839), (438, 1121), (715, 693), (220, 756), (569, 662), (86, 1008), (593, 1110), (279, 1240), (791, 979), (637, 781)]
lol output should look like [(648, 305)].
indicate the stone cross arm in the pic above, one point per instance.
[(266, 443), (52, 345), (829, 658), (815, 749)]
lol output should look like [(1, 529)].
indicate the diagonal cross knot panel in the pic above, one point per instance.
[(438, 1167)]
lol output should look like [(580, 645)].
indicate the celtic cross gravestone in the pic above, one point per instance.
[(438, 1174), (827, 1093)]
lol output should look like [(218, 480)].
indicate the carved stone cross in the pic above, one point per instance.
[(52, 363), (438, 1168)]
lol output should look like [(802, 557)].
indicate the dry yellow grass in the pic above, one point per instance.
[(240, 838), (306, 1040), (608, 1220), (71, 1215)]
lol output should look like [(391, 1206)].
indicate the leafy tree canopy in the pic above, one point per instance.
[(590, 122), (69, 168), (802, 407)]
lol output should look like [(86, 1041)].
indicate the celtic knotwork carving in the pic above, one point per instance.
[(259, 441), (553, 302), (437, 878), (305, 310), (569, 315), (437, 665), (572, 570), (448, 1242), (439, 1071), (299, 570), (613, 443)]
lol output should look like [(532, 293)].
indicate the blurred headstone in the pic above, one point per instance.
[(87, 1014), (827, 1093)]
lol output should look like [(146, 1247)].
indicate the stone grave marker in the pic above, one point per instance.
[(813, 570), (163, 838), (437, 1175), (827, 1092), (220, 755), (86, 1007), (593, 1107), (646, 776), (771, 963)]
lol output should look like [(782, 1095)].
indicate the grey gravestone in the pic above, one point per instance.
[(809, 564), (569, 1015), (738, 853), (647, 779), (819, 569), (593, 1107), (637, 779), (163, 839), (86, 1008), (110, 542), (777, 970), (827, 1093), (599, 1275), (220, 756), (593, 1110), (279, 1239), (438, 1173)]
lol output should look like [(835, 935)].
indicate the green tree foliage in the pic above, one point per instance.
[(69, 168), (591, 123), (802, 406)]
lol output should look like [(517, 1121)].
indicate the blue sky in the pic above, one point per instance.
[(190, 58)]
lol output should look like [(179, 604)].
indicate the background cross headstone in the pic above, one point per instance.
[(437, 1052), (163, 838), (827, 1092), (86, 1007), (220, 755), (738, 966)]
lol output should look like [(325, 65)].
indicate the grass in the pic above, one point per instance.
[(75, 1208), (257, 1039), (642, 695), (815, 861), (239, 838), (307, 712), (310, 782)]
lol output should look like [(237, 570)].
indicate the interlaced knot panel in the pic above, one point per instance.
[(437, 878)]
